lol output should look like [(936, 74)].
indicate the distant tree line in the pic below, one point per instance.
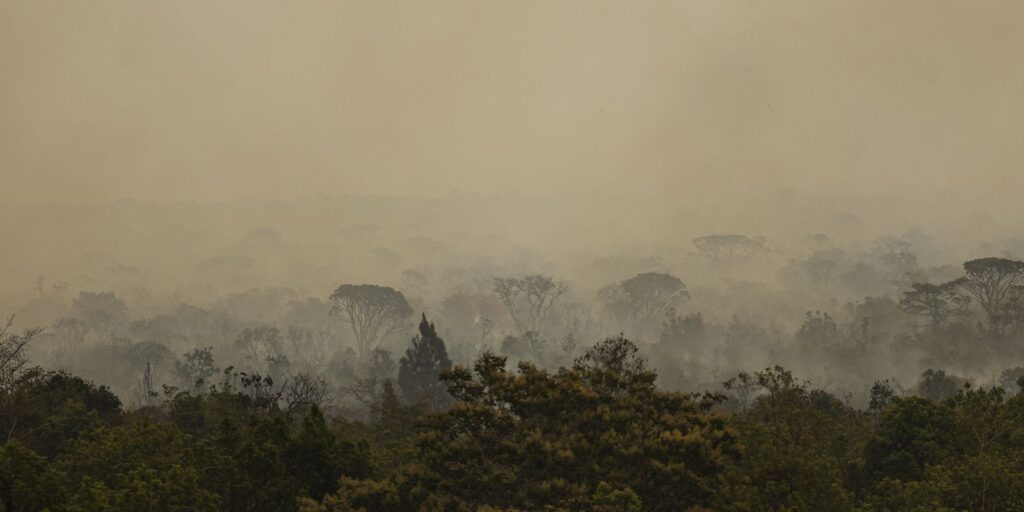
[(597, 434)]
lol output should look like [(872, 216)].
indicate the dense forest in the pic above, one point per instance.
[(521, 390), (497, 256)]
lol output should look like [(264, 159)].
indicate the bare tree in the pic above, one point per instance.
[(260, 343), (13, 360), (307, 347), (151, 359), (303, 391), (261, 389), (367, 389), (374, 312), (528, 299), (69, 336), (485, 326)]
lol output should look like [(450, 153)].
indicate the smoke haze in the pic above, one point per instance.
[(241, 157), (190, 100)]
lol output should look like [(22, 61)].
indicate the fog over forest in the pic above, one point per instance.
[(585, 247), (130, 273)]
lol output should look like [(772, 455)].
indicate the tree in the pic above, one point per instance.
[(528, 299), (69, 335), (819, 269), (46, 410), (395, 419), (367, 389), (149, 359), (644, 298), (534, 440), (420, 367), (683, 333), (103, 312), (196, 367), (936, 303), (936, 385), (794, 439), (896, 255), (306, 347), (13, 360), (818, 331), (608, 499), (27, 481), (374, 312), (260, 344), (319, 458), (882, 393), (914, 433), (138, 466), (304, 391), (470, 316), (1012, 379), (991, 283)]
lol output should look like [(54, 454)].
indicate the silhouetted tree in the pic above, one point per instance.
[(898, 258), (150, 360), (196, 367), (991, 282), (367, 388), (936, 385), (374, 312), (420, 367), (644, 298), (528, 299), (103, 312), (13, 358), (818, 331), (260, 344), (936, 303)]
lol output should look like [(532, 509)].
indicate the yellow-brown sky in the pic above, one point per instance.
[(217, 100)]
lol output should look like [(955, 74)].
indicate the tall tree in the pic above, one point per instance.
[(420, 368), (528, 299), (103, 312), (644, 298), (260, 344), (992, 282), (936, 303), (374, 312)]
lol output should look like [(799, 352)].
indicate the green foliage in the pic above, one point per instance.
[(532, 439), (608, 499), (596, 436), (140, 465), (796, 447), (27, 481), (48, 409)]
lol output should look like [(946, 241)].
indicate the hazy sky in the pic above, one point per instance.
[(219, 100)]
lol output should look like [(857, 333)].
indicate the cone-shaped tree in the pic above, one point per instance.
[(420, 367)]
